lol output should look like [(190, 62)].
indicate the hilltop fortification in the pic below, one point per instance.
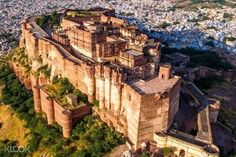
[(112, 63)]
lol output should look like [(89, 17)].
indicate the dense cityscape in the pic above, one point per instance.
[(118, 78), (201, 27)]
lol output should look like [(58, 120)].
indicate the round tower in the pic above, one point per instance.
[(67, 123), (101, 93), (90, 84), (50, 110), (36, 96)]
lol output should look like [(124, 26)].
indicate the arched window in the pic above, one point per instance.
[(182, 153)]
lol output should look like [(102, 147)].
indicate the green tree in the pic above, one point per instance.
[(145, 154), (168, 151)]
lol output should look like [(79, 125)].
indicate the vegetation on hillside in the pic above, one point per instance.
[(78, 13), (89, 134), (230, 38), (21, 101), (145, 154), (60, 87), (48, 20), (9, 37), (168, 151), (203, 58), (225, 92), (94, 138), (195, 4), (207, 82), (10, 144), (10, 121), (19, 56), (164, 25)]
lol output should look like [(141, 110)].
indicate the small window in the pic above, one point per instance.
[(129, 97), (162, 76)]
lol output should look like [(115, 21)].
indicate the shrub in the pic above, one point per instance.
[(42, 21), (168, 151), (227, 15), (207, 82), (21, 101), (197, 1), (164, 25), (210, 43), (48, 20), (231, 38), (145, 154), (94, 136), (44, 70), (95, 103), (10, 144), (219, 1), (194, 131)]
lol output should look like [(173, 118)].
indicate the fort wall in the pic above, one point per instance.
[(66, 23), (113, 20), (214, 108), (200, 72), (185, 144)]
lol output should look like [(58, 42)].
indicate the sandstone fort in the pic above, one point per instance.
[(117, 66)]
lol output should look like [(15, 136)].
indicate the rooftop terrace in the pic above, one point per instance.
[(155, 85)]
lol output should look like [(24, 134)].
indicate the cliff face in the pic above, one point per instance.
[(135, 114)]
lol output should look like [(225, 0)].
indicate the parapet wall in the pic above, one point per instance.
[(62, 40), (113, 20), (186, 145), (204, 127), (214, 109), (202, 71)]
